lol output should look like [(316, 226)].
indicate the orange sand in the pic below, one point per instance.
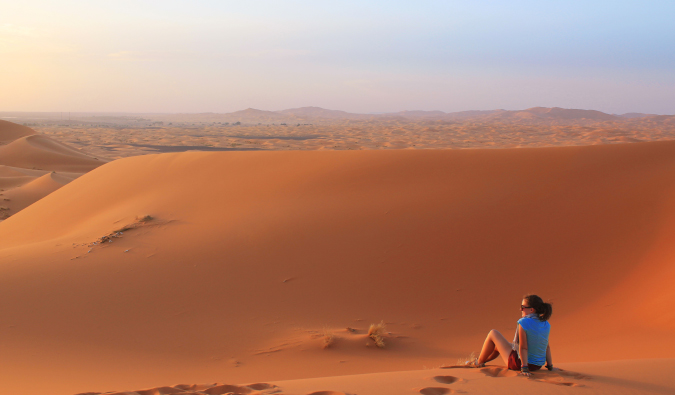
[(252, 259)]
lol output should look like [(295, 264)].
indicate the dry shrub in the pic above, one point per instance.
[(376, 332), (138, 222), (328, 340)]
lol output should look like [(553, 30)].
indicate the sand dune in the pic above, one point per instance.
[(28, 163), (251, 262), (43, 153), (14, 181), (24, 195), (10, 131)]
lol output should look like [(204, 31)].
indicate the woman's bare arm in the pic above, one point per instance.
[(522, 348)]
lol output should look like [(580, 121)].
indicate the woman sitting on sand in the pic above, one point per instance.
[(530, 348)]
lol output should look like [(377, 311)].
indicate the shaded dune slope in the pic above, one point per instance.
[(10, 131), (251, 256)]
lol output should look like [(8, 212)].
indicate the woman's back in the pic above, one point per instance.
[(537, 338)]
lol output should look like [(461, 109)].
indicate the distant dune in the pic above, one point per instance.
[(28, 166), (43, 153), (10, 131), (237, 267), (314, 128)]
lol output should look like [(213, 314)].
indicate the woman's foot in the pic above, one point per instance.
[(474, 364)]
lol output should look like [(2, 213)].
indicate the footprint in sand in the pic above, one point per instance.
[(328, 393), (558, 378), (559, 382), (436, 391), (494, 371), (573, 375), (446, 379)]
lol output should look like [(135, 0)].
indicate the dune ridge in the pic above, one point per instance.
[(251, 258)]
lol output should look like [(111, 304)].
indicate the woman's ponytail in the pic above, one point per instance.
[(543, 309), (546, 312)]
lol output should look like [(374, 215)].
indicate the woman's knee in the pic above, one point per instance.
[(494, 333)]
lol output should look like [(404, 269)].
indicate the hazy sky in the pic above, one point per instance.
[(360, 56)]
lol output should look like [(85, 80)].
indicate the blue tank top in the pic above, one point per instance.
[(537, 338)]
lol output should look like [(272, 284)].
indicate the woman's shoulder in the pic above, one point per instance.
[(528, 321)]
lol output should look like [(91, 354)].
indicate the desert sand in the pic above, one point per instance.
[(311, 128), (32, 166), (262, 271)]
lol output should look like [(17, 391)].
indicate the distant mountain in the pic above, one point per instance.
[(318, 112), (535, 113), (565, 113), (253, 115), (555, 113), (322, 113)]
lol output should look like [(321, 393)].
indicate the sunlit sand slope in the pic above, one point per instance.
[(242, 266), (599, 378)]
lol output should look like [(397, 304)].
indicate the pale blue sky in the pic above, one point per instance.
[(365, 56)]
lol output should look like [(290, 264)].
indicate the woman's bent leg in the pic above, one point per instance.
[(495, 342), (492, 356)]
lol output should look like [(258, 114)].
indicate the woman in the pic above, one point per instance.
[(530, 348)]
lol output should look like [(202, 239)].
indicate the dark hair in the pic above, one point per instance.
[(543, 309)]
